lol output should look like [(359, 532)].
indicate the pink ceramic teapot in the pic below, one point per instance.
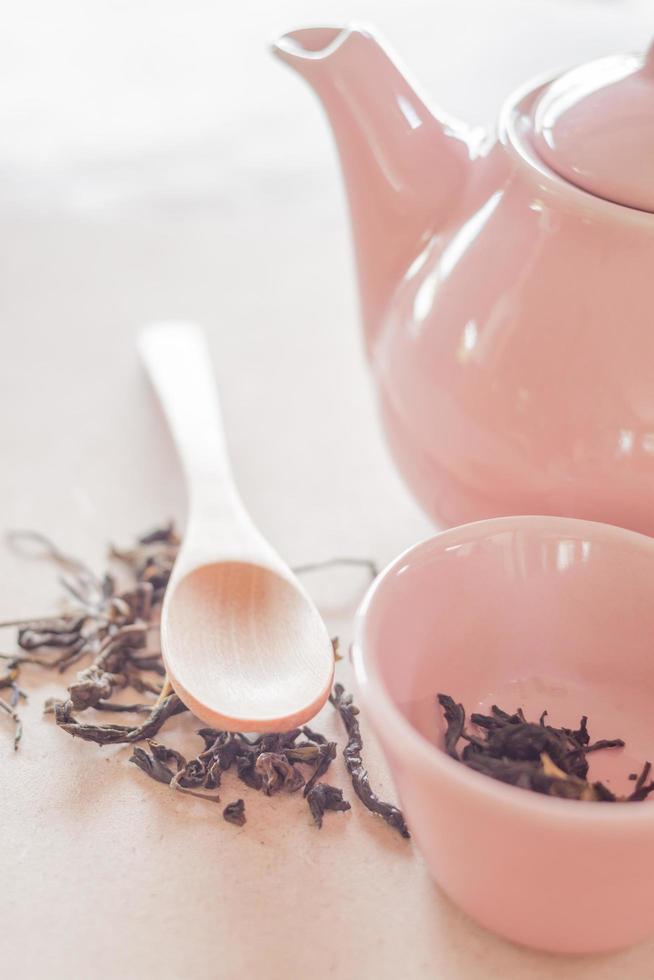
[(507, 285)]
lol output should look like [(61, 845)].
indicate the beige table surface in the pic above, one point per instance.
[(155, 162)]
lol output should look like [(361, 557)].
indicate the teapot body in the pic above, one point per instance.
[(514, 362)]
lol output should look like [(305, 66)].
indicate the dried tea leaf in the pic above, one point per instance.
[(606, 743), (537, 757), (277, 773), (313, 736), (642, 789), (164, 754), (354, 763), (235, 813), (92, 686), (214, 775), (327, 753), (152, 766), (111, 734), (323, 797), (455, 717), (194, 773), (245, 769), (306, 753)]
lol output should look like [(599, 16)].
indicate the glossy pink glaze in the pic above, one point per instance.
[(595, 127), (402, 165), (507, 312), (557, 613)]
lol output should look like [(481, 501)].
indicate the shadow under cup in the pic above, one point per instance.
[(538, 613)]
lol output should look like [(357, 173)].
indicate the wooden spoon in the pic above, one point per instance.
[(244, 646)]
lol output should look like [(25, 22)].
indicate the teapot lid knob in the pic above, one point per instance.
[(594, 126)]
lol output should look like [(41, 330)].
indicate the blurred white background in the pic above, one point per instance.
[(186, 94)]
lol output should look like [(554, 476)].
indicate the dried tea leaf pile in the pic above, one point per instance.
[(532, 756), (269, 763), (112, 630)]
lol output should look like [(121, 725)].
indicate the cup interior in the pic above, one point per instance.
[(539, 613)]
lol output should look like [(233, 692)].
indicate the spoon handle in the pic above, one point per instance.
[(177, 359)]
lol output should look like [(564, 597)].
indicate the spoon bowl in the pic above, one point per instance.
[(243, 644), (243, 634), (539, 613)]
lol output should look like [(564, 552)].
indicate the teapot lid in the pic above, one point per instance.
[(594, 126)]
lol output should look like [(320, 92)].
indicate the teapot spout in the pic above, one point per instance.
[(405, 167)]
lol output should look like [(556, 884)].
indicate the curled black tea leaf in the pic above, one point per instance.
[(277, 773), (164, 754), (245, 769), (455, 717), (92, 686), (122, 708), (229, 745), (354, 763), (276, 742), (313, 736), (152, 766), (31, 639), (235, 813), (112, 734), (323, 797), (306, 753), (605, 743), (326, 755), (194, 773), (210, 736), (642, 789), (604, 794), (214, 775)]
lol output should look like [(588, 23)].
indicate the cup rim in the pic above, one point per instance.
[(382, 709)]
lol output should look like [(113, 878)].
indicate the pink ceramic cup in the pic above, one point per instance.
[(541, 612)]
